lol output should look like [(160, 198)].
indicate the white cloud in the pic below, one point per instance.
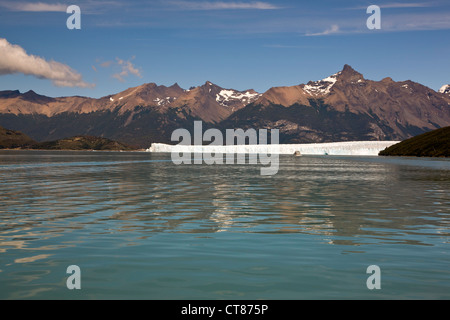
[(34, 6), (399, 5), (414, 22), (106, 64), (222, 5), (14, 59), (406, 5), (97, 7), (334, 29), (127, 68)]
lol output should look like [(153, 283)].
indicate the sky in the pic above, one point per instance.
[(235, 44)]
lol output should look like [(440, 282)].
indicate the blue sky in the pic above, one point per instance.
[(236, 44)]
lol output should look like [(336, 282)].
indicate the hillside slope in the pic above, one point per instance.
[(10, 139), (435, 143), (83, 143)]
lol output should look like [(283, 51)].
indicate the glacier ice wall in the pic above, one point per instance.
[(356, 148)]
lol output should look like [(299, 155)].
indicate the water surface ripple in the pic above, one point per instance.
[(141, 227)]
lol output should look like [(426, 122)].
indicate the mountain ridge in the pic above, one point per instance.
[(340, 107)]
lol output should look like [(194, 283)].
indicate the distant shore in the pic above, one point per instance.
[(16, 140)]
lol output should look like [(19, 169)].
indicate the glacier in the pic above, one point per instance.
[(350, 148)]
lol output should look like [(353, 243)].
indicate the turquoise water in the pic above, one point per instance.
[(140, 227)]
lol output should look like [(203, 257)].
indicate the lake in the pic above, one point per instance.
[(140, 227)]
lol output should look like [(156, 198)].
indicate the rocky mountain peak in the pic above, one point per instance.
[(349, 74), (323, 87), (175, 86), (229, 97), (30, 93), (210, 85), (32, 96)]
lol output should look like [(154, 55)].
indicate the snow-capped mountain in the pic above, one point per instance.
[(346, 106), (212, 103), (227, 97), (321, 87), (301, 94), (342, 107)]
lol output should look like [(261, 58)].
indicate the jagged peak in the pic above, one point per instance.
[(322, 87), (151, 86), (175, 86), (32, 96), (348, 68), (348, 73), (30, 92), (209, 85)]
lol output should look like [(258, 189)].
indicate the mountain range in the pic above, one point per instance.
[(342, 107)]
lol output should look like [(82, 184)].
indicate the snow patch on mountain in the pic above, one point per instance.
[(164, 101), (225, 96), (321, 87), (445, 89)]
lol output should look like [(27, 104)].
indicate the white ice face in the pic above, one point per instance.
[(357, 148)]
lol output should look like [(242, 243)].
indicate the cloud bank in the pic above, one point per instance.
[(34, 6), (399, 5), (222, 5), (14, 59), (334, 29), (126, 67)]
